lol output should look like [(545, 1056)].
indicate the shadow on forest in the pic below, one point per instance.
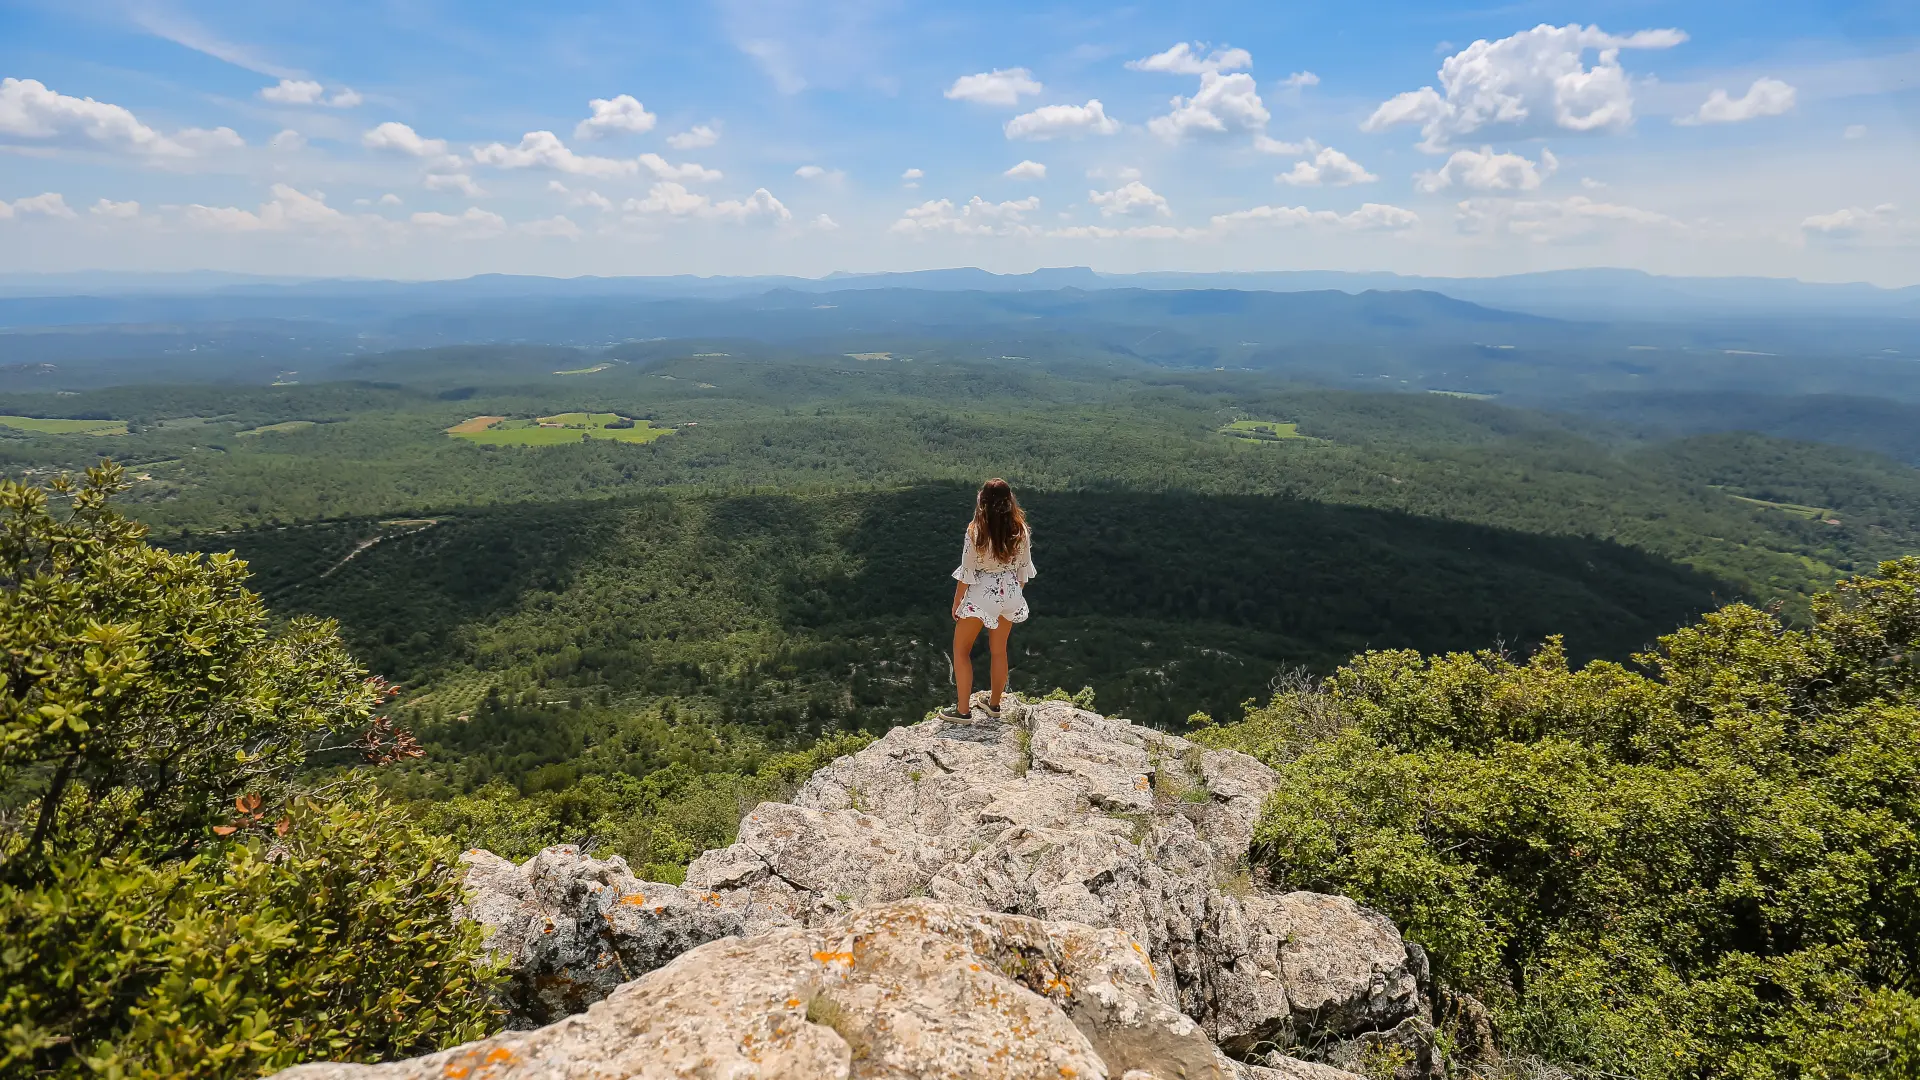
[(1335, 579), (1163, 602)]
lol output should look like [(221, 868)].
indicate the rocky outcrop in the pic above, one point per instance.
[(1059, 813), (913, 988), (916, 988), (1057, 891)]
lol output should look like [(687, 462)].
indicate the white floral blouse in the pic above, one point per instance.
[(995, 587)]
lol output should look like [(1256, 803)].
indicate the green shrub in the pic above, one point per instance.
[(172, 900), (330, 941), (1709, 869), (144, 690)]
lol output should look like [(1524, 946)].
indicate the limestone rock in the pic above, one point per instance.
[(1060, 813), (1055, 813), (915, 988), (1346, 967), (573, 928)]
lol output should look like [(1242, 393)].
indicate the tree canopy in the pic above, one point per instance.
[(1706, 864)]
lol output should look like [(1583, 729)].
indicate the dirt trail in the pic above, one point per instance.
[(422, 525)]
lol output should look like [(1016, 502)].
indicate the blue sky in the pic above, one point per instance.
[(421, 138)]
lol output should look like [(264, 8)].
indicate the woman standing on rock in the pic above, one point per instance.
[(996, 562)]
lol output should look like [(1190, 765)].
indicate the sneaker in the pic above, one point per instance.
[(952, 715), (983, 702)]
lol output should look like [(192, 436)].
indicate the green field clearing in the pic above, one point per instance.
[(1262, 431), (44, 426), (559, 430), (280, 428)]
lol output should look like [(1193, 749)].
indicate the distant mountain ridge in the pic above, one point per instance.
[(1598, 293)]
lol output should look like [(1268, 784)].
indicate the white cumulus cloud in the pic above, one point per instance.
[(398, 138), (1267, 144), (287, 141), (583, 198), (1484, 170), (1058, 121), (460, 182), (1371, 217), (1026, 170), (293, 92), (662, 169), (1132, 199), (288, 209), (472, 222), (977, 218), (1766, 97), (308, 92), (46, 204), (543, 149), (1300, 80), (694, 138), (107, 208), (1328, 167), (1186, 59), (1533, 83), (1881, 225), (1223, 103), (809, 172), (1002, 86), (615, 116), (30, 111), (673, 200)]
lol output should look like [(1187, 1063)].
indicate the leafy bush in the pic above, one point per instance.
[(144, 692), (171, 901), (658, 822), (1711, 869), (331, 941)]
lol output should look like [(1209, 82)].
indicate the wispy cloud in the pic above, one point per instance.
[(167, 24)]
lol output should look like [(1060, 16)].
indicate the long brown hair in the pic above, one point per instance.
[(998, 524)]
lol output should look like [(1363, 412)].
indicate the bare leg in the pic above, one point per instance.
[(997, 644), (964, 631)]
